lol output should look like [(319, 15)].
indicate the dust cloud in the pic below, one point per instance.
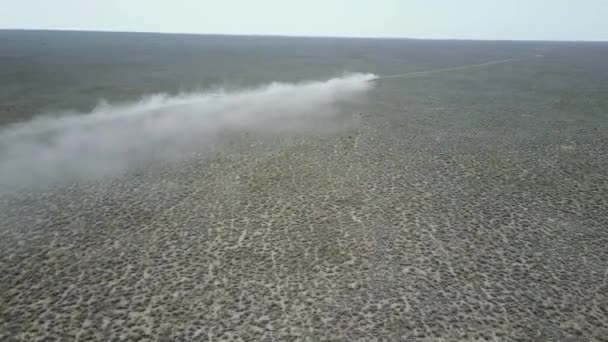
[(114, 138)]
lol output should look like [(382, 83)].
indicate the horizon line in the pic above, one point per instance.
[(300, 35)]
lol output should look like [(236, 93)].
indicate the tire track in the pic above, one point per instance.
[(451, 69)]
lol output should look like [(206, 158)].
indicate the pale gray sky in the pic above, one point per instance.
[(470, 19)]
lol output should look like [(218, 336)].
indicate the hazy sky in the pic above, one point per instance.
[(475, 19)]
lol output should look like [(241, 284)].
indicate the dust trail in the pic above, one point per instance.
[(114, 138), (437, 71)]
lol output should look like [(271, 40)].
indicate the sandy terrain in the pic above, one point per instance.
[(455, 214)]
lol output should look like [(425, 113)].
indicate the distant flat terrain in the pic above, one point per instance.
[(466, 205)]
